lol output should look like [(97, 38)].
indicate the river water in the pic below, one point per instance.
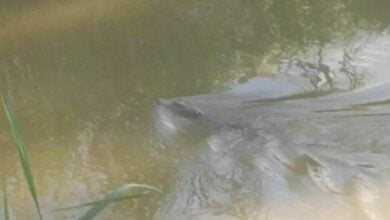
[(236, 109)]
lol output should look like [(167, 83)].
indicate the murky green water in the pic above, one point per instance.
[(83, 77)]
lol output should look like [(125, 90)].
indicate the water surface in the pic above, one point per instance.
[(294, 118)]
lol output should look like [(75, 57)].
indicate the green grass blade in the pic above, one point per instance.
[(21, 149), (119, 199), (112, 197), (5, 201)]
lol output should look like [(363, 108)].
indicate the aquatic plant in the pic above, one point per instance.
[(116, 195), (22, 154), (119, 194), (5, 201)]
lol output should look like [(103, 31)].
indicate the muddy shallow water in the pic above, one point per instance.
[(235, 109)]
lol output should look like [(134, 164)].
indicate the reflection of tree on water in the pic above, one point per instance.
[(319, 73), (318, 70), (198, 39), (355, 78)]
